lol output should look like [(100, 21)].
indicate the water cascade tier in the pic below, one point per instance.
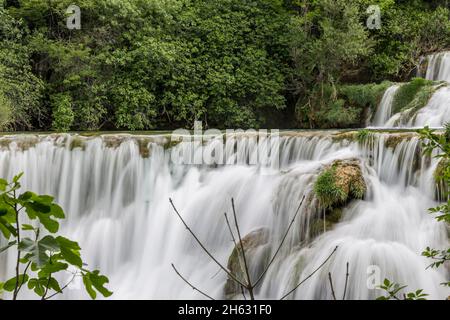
[(435, 112), (115, 190)]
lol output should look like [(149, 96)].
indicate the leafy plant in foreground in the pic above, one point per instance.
[(40, 257), (393, 289)]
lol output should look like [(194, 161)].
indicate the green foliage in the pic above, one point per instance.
[(363, 135), (5, 112), (326, 189), (63, 115), (409, 30), (364, 95), (413, 95), (45, 257), (138, 64), (144, 64), (393, 289), (20, 89)]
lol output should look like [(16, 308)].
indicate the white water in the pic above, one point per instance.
[(435, 114), (118, 209), (384, 111), (438, 66)]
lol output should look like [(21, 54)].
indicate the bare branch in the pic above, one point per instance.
[(346, 283), (249, 282), (196, 289), (331, 284), (229, 228), (304, 280), (281, 243), (64, 287), (243, 293), (204, 248), (235, 245)]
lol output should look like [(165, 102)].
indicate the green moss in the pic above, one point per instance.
[(326, 189), (77, 143), (393, 140), (339, 183), (413, 95), (363, 135)]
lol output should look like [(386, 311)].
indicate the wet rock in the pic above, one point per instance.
[(339, 183), (254, 245)]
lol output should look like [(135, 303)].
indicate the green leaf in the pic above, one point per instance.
[(51, 268), (94, 280), (26, 196), (9, 245), (88, 285), (10, 285), (37, 286), (38, 250), (99, 281), (17, 177), (6, 228), (72, 257), (67, 243), (27, 227), (3, 184)]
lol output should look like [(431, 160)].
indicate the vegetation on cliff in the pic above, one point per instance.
[(149, 64)]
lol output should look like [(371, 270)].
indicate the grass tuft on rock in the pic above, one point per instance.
[(339, 183)]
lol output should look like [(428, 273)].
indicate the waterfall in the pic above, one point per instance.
[(116, 189), (384, 110), (436, 113), (438, 66)]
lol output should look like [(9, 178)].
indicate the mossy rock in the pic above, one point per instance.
[(342, 136), (77, 142), (324, 224), (439, 179), (251, 243), (393, 140), (339, 183)]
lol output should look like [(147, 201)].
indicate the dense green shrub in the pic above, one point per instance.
[(5, 112), (18, 84), (63, 115), (364, 95)]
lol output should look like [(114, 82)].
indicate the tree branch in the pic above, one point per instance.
[(203, 247), (346, 283), (235, 245), (281, 243), (249, 282), (196, 289), (64, 287), (304, 280), (331, 284)]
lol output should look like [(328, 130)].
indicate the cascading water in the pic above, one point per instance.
[(438, 66), (384, 111), (435, 113), (116, 190)]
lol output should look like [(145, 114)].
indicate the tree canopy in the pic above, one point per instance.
[(146, 64)]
